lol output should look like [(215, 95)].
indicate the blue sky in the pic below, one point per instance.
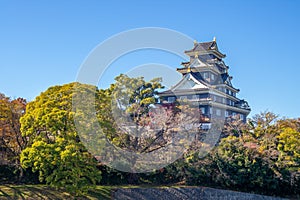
[(43, 43)]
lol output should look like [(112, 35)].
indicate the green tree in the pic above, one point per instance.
[(289, 152), (266, 150), (54, 148), (241, 166)]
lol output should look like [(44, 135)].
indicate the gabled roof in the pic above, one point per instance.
[(191, 81), (198, 63), (204, 46)]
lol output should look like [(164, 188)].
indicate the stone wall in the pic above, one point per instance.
[(182, 193)]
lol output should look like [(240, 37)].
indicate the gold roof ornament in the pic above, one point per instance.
[(196, 54), (195, 42), (189, 69), (215, 39)]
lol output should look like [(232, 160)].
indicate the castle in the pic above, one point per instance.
[(207, 83)]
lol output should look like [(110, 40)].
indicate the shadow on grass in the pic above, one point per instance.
[(30, 192), (101, 192), (36, 192), (12, 193), (4, 194)]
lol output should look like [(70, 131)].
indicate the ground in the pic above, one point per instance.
[(35, 192)]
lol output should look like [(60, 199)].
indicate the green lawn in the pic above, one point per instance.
[(43, 192)]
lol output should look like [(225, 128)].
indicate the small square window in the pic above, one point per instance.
[(171, 99), (226, 113), (195, 96), (212, 76), (202, 109), (205, 75), (215, 98), (183, 97), (223, 100), (241, 116)]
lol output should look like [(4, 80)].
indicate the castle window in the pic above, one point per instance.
[(223, 100), (230, 102), (202, 110), (195, 96), (241, 116), (183, 97), (212, 76), (205, 75), (215, 98), (226, 113), (171, 99), (218, 112)]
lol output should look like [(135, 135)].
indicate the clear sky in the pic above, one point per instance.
[(43, 43)]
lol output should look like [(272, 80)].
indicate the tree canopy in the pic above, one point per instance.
[(124, 124), (54, 148), (11, 140)]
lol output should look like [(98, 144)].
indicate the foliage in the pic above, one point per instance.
[(132, 93), (11, 140), (20, 192), (288, 147), (143, 126), (263, 157), (260, 156), (54, 149), (241, 166)]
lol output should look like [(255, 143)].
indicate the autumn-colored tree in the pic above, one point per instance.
[(11, 140), (288, 146), (262, 155), (137, 114), (134, 121)]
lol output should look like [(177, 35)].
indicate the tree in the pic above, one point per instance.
[(289, 152), (266, 150), (137, 126), (289, 144), (11, 140), (241, 166), (54, 148)]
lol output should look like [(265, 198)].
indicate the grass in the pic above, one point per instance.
[(16, 192), (36, 192), (44, 192)]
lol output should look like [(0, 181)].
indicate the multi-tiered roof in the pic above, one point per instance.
[(205, 79)]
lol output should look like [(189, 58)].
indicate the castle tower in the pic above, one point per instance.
[(206, 81)]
